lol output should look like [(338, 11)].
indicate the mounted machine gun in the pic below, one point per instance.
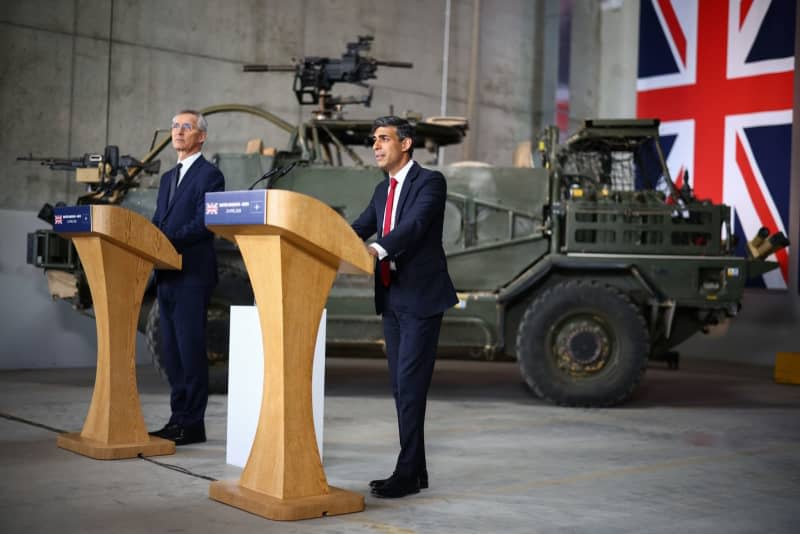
[(99, 172), (324, 138), (315, 76)]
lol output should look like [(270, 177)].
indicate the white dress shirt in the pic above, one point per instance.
[(401, 178), (186, 163)]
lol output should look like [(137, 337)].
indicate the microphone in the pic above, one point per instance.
[(280, 171), (265, 176), (284, 172)]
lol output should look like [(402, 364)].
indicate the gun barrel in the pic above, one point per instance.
[(395, 64), (268, 68), (63, 164), (66, 164), (31, 158), (53, 162)]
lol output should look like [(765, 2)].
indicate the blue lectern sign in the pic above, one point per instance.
[(73, 219), (236, 207)]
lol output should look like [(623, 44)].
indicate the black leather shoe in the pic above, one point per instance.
[(186, 435), (423, 481), (379, 482), (169, 428), (396, 487)]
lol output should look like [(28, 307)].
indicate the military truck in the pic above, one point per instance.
[(582, 263)]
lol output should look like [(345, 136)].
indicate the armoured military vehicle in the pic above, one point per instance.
[(582, 263)]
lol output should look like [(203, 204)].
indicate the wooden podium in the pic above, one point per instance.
[(118, 249), (292, 245)]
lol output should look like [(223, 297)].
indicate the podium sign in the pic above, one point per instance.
[(118, 249), (236, 207), (73, 219)]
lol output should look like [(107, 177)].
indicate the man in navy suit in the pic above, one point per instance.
[(412, 288), (183, 295)]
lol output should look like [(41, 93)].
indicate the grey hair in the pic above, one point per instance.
[(202, 123)]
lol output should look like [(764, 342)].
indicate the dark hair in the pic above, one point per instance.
[(404, 128)]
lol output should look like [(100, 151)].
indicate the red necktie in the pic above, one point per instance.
[(386, 275)]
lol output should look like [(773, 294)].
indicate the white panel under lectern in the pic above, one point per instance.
[(246, 379)]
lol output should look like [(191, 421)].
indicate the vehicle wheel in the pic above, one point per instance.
[(153, 336), (583, 344), (217, 335)]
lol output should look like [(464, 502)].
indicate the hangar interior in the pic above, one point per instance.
[(709, 447)]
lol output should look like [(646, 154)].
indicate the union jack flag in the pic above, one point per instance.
[(212, 208), (58, 220), (719, 74)]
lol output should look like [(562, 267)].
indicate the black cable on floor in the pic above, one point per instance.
[(177, 468), (31, 423)]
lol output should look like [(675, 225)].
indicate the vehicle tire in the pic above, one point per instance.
[(217, 367), (153, 337), (583, 344)]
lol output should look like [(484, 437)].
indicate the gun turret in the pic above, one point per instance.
[(314, 77), (95, 168), (99, 171)]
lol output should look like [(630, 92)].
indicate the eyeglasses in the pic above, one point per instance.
[(186, 127)]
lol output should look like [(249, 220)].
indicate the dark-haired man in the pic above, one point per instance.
[(412, 288), (183, 295)]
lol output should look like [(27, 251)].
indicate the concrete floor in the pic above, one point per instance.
[(710, 448)]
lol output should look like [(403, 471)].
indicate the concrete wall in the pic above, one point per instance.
[(619, 58), (546, 59), (80, 74), (76, 75), (603, 60)]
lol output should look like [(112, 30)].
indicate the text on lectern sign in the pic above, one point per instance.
[(72, 219), (236, 207)]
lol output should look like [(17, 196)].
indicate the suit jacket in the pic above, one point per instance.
[(421, 284), (183, 222)]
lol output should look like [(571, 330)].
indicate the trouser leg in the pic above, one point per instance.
[(182, 324), (391, 336), (192, 308), (416, 355), (170, 355)]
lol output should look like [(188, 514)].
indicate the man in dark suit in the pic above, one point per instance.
[(412, 288), (183, 295)]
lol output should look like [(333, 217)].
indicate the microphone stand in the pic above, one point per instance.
[(280, 171)]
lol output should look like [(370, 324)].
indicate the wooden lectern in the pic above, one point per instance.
[(118, 249), (292, 249)]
